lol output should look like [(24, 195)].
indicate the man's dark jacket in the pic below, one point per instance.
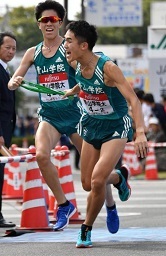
[(7, 107), (7, 118)]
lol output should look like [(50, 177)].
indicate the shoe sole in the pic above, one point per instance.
[(71, 214), (84, 246)]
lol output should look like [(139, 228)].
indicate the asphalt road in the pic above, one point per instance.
[(142, 226)]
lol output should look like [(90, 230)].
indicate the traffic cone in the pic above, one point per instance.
[(5, 152), (66, 180), (151, 172), (34, 211), (14, 188), (56, 158), (45, 189), (130, 158), (5, 179), (51, 207), (13, 149)]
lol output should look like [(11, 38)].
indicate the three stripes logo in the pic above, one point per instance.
[(160, 45)]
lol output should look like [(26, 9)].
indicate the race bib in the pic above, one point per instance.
[(95, 104), (57, 81)]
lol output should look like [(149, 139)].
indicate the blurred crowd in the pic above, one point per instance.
[(26, 126), (155, 121)]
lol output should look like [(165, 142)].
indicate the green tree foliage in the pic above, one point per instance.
[(25, 28)]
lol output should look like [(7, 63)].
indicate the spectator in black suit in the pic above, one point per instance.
[(157, 109), (7, 105)]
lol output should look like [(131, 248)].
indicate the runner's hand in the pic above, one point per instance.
[(141, 145)]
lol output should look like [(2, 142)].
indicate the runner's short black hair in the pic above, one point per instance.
[(50, 5), (84, 32)]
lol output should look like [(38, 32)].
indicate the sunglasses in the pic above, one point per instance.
[(52, 19)]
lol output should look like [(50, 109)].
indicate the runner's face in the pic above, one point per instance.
[(50, 29), (72, 47)]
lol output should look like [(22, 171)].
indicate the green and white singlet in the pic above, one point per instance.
[(105, 109), (55, 73)]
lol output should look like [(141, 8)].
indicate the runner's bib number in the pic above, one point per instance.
[(57, 81), (95, 104)]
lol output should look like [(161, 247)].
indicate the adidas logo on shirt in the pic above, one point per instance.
[(115, 134), (96, 82), (59, 59)]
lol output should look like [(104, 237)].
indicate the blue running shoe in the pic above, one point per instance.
[(63, 215), (112, 220), (84, 239), (124, 188)]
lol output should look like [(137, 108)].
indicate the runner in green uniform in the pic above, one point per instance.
[(57, 116), (105, 125), (102, 103), (54, 73)]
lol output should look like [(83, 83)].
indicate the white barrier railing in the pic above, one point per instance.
[(10, 159), (23, 158)]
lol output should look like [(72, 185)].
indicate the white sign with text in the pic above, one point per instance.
[(114, 13), (157, 76), (157, 42)]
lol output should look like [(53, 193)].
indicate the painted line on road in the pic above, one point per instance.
[(98, 235)]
